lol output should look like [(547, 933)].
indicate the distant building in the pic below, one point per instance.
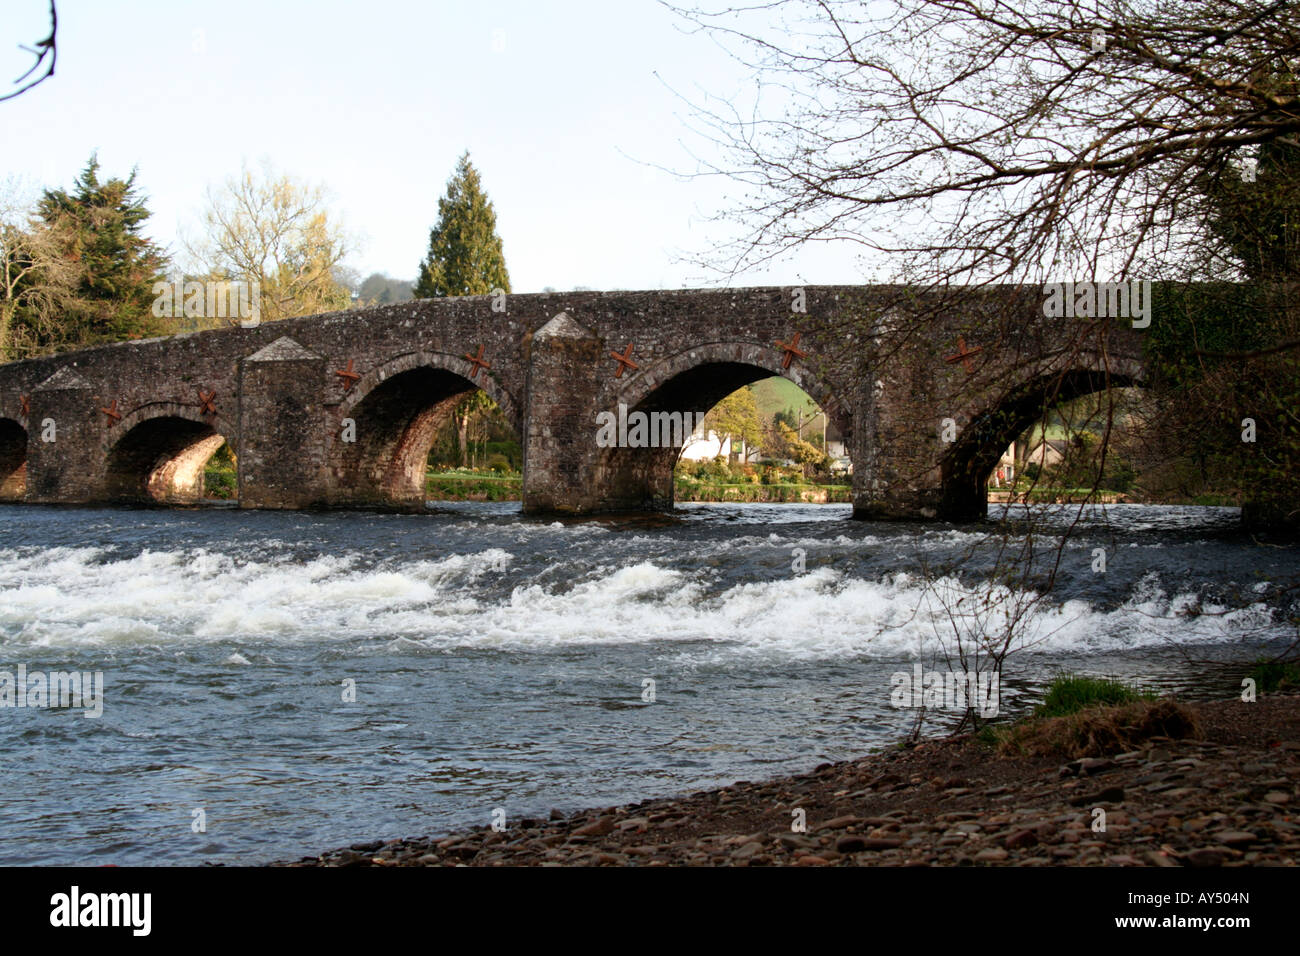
[(706, 447), (1048, 454), (1004, 472), (835, 444)]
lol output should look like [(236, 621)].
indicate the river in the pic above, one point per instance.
[(499, 661)]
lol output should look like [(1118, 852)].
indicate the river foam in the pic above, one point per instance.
[(82, 597)]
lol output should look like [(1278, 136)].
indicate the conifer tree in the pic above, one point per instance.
[(99, 226), (465, 256)]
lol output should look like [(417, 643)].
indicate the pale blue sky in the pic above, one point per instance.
[(556, 101)]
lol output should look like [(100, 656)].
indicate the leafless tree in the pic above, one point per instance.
[(37, 281), (995, 140)]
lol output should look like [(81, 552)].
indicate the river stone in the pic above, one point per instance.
[(601, 827), (1208, 856), (839, 823), (1109, 795), (1021, 838)]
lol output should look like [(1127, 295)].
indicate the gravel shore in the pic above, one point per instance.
[(1226, 799)]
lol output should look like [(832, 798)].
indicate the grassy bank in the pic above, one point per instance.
[(687, 490), (471, 485)]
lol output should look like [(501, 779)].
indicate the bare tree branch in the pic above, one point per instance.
[(47, 47)]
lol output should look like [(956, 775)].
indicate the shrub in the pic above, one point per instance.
[(1098, 730)]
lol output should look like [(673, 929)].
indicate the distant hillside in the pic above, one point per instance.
[(777, 394)]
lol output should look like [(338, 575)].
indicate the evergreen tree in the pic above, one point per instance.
[(1257, 219), (465, 256), (99, 226)]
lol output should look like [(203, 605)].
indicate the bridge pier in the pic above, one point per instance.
[(561, 466), (903, 468), (65, 441), (281, 460)]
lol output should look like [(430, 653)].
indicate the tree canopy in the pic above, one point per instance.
[(465, 255), (275, 230), (99, 227)]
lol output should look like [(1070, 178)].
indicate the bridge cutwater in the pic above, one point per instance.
[(340, 410)]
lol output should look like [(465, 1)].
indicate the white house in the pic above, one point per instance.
[(701, 447)]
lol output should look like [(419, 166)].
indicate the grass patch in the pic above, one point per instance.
[(690, 490), (472, 486), (219, 479), (1070, 694), (1273, 676)]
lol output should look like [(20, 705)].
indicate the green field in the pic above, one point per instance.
[(776, 394)]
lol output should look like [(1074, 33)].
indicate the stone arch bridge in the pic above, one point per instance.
[(340, 410)]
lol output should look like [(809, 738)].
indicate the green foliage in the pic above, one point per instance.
[(1192, 319), (797, 449), (716, 480), (736, 416), (100, 225), (465, 255), (1225, 357), (219, 479), (1119, 474), (1257, 221), (1070, 694), (462, 485), (1222, 358), (783, 491), (507, 448)]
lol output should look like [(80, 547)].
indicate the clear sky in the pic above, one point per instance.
[(566, 107)]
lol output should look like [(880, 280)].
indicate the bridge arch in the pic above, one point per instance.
[(13, 460), (693, 381), (966, 467), (157, 454), (760, 362), (395, 411)]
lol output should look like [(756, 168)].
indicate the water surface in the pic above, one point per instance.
[(500, 661)]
